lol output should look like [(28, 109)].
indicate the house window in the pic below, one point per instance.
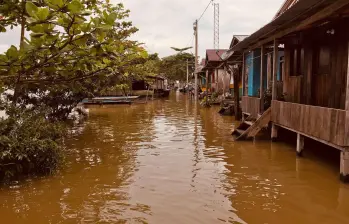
[(323, 60), (297, 61)]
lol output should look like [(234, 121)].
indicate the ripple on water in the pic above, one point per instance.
[(169, 162)]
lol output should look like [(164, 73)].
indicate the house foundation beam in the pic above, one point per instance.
[(300, 145), (274, 132), (344, 167)]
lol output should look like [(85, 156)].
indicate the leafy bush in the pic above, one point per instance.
[(214, 95), (29, 144), (206, 102)]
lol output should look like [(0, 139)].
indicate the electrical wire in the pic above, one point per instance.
[(205, 10), (192, 38), (190, 42)]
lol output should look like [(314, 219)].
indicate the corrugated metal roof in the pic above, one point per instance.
[(236, 39), (285, 6), (298, 12), (214, 55), (240, 37)]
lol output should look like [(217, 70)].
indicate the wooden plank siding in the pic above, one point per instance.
[(324, 90), (291, 84), (347, 101), (326, 124), (251, 105)]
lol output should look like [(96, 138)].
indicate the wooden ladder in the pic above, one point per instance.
[(250, 128)]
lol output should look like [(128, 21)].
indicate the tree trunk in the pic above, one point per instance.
[(23, 21), (17, 84)]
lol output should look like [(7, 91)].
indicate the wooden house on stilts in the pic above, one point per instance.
[(301, 56), (216, 78)]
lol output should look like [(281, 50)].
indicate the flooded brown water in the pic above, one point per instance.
[(170, 162)]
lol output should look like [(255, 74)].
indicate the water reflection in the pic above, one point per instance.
[(170, 161)]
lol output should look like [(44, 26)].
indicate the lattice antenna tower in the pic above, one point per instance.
[(216, 26)]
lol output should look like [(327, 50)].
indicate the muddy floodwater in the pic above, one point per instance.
[(169, 161)]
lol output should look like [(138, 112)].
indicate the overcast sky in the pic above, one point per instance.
[(163, 23)]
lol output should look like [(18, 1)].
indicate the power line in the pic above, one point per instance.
[(192, 38), (208, 5), (190, 41)]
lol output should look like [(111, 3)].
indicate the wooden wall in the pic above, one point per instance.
[(323, 123), (251, 105), (223, 81), (318, 89)]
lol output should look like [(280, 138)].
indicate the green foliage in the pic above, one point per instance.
[(267, 95), (206, 102), (175, 66), (76, 49), (29, 143)]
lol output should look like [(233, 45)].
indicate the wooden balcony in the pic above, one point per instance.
[(323, 124), (251, 105)]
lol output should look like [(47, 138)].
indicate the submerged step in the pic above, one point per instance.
[(249, 122)]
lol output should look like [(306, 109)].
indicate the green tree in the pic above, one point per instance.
[(76, 49), (175, 66)]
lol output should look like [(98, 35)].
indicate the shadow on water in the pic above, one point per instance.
[(170, 161)]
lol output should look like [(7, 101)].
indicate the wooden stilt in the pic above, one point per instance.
[(300, 145), (274, 129), (344, 167), (274, 132), (347, 103), (207, 86)]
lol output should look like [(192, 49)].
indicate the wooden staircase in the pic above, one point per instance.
[(250, 127)]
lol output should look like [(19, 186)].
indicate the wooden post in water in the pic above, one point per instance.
[(344, 167), (300, 145), (206, 86), (274, 128), (146, 99)]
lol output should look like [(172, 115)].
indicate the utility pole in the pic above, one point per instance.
[(196, 59)]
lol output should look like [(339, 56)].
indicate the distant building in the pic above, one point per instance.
[(218, 79)]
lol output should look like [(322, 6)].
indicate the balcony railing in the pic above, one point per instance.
[(326, 124)]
